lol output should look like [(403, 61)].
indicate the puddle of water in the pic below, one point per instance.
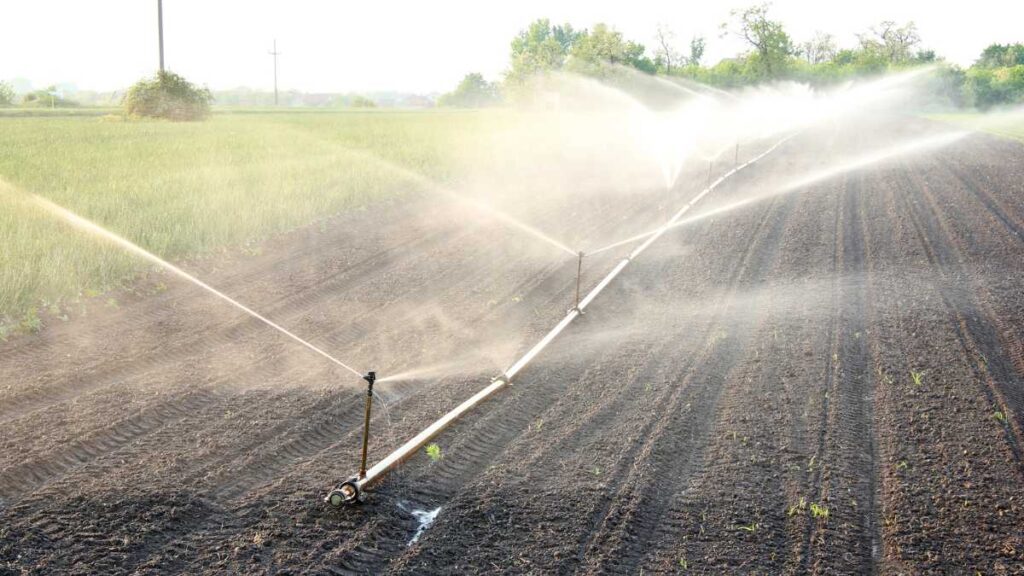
[(425, 519)]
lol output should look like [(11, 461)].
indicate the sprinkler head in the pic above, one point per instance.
[(370, 377)]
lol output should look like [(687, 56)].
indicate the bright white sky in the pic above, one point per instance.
[(409, 45)]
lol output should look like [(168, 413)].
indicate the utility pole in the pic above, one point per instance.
[(160, 27), (275, 54)]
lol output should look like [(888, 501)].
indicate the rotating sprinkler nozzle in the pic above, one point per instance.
[(348, 492)]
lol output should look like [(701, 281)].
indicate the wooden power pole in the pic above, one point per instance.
[(160, 28), (275, 54)]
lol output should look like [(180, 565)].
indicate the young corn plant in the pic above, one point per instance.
[(819, 511), (798, 508), (916, 377), (434, 452)]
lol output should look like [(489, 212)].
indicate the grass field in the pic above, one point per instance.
[(186, 189), (1010, 124)]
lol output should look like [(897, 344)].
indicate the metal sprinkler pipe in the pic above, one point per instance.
[(349, 492)]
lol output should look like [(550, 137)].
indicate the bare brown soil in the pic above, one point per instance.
[(825, 382)]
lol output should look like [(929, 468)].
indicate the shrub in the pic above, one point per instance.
[(362, 102), (169, 96), (46, 99)]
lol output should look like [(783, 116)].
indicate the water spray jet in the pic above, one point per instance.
[(92, 228)]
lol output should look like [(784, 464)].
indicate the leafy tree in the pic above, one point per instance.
[(894, 43), (986, 87), (1000, 55), (768, 38), (540, 48), (169, 96), (697, 46), (593, 50), (472, 92)]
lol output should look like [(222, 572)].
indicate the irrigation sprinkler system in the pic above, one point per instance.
[(351, 491)]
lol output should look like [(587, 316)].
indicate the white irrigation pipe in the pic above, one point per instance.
[(350, 490)]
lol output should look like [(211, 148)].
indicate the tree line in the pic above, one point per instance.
[(995, 79)]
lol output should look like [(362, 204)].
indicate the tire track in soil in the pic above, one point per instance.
[(972, 322), (25, 477), (676, 445), (927, 471), (955, 168), (1009, 336), (846, 446)]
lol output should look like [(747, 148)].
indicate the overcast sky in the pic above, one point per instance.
[(407, 45)]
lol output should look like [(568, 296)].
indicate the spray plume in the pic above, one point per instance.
[(857, 163), (95, 229)]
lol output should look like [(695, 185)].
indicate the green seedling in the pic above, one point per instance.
[(916, 377), (752, 527), (434, 452), (30, 321), (798, 508), (819, 511), (1000, 417)]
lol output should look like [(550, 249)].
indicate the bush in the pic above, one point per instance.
[(362, 102), (46, 99), (988, 88), (167, 96)]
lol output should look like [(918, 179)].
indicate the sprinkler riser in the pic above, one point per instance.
[(370, 378)]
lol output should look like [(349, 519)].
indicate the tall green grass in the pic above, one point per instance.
[(1006, 124), (185, 189)]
